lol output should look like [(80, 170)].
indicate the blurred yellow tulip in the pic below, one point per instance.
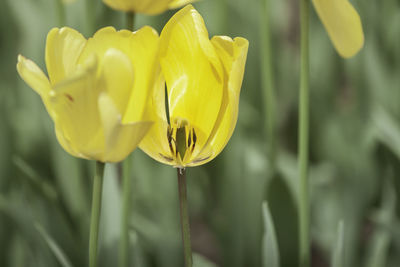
[(97, 89), (343, 25), (68, 1), (149, 7), (203, 78)]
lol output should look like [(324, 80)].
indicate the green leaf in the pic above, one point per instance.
[(200, 261), (379, 245), (388, 130), (46, 189), (338, 252), (270, 250), (55, 249)]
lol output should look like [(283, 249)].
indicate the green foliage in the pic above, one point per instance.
[(270, 251)]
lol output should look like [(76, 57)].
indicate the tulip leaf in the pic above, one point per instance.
[(379, 245), (55, 249), (388, 130), (338, 252), (270, 250), (201, 261), (46, 189)]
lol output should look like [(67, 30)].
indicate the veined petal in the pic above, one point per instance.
[(120, 139), (233, 54), (63, 48), (155, 143), (36, 79), (192, 70), (116, 77), (75, 103), (343, 25)]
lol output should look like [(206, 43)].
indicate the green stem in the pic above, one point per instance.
[(184, 217), (90, 7), (126, 188), (61, 13), (96, 211), (130, 21), (267, 79), (126, 208), (304, 209)]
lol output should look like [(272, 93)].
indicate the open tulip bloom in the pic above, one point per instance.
[(343, 25), (97, 89), (96, 94), (203, 78), (149, 7)]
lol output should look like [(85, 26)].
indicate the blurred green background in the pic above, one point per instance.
[(45, 194)]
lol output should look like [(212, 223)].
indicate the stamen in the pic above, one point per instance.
[(181, 139)]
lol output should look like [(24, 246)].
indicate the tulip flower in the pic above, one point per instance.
[(343, 25), (203, 79), (149, 7), (97, 89)]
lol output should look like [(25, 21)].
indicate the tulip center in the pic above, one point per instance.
[(181, 138)]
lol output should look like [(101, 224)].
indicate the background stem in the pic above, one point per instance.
[(126, 208), (130, 21), (61, 13), (267, 80), (184, 217), (90, 7), (126, 187), (304, 208), (96, 211)]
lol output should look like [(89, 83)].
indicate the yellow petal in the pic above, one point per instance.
[(343, 25), (192, 70), (104, 39), (63, 47), (36, 79), (75, 102), (155, 143), (141, 47), (143, 52), (116, 77), (149, 7), (179, 3), (120, 139), (233, 54), (66, 144), (33, 76)]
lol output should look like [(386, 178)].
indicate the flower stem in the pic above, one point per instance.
[(126, 188), (126, 208), (90, 8), (61, 13), (96, 211), (304, 209), (184, 217), (130, 21), (268, 83)]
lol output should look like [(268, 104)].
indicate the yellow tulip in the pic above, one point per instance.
[(203, 79), (97, 89), (149, 7), (343, 25)]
